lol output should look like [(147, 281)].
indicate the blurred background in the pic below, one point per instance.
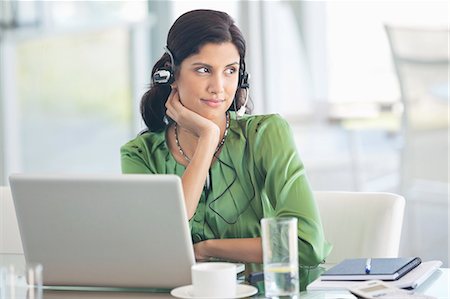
[(364, 84)]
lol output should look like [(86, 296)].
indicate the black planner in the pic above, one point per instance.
[(380, 268)]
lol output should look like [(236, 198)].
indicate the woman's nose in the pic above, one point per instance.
[(216, 84)]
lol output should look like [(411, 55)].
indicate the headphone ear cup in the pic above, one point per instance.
[(243, 79), (163, 75)]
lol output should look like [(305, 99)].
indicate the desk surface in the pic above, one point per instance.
[(438, 285)]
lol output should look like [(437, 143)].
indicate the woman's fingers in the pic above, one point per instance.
[(198, 248), (178, 111), (175, 103), (171, 111), (185, 117), (170, 114), (169, 99)]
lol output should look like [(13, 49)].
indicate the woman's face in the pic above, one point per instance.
[(207, 81)]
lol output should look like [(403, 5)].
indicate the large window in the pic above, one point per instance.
[(74, 99), (359, 60), (72, 73)]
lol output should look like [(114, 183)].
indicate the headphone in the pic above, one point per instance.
[(244, 77), (165, 75)]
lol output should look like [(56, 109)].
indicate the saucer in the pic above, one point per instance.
[(242, 291)]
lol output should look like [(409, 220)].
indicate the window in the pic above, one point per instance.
[(72, 73), (359, 59)]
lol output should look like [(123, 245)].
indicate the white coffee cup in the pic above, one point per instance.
[(214, 280)]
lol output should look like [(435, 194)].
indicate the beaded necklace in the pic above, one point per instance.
[(180, 149)]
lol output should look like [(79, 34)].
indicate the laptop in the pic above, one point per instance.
[(126, 231)]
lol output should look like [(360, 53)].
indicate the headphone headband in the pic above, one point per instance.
[(172, 60), (164, 75)]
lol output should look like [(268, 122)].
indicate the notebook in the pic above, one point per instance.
[(411, 280), (381, 268), (105, 230)]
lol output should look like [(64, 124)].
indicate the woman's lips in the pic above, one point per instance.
[(212, 102)]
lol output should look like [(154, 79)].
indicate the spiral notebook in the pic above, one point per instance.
[(381, 268)]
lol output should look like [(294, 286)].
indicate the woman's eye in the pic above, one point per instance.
[(202, 70), (230, 71)]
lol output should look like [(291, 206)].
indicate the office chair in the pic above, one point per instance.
[(421, 60), (361, 224), (10, 241)]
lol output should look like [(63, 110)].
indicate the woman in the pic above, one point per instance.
[(235, 169)]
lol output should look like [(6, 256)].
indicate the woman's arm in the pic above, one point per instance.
[(208, 134), (247, 250), (288, 190), (194, 176)]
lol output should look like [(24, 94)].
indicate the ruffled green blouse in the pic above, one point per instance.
[(257, 174)]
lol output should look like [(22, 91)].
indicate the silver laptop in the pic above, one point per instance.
[(105, 230)]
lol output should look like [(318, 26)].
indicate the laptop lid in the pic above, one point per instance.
[(105, 230)]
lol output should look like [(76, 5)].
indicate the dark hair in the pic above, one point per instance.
[(187, 35)]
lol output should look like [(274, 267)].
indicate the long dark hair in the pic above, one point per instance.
[(187, 35)]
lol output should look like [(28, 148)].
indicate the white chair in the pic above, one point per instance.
[(10, 241), (421, 60), (361, 224)]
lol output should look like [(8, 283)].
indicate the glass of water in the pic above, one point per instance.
[(280, 255), (14, 283)]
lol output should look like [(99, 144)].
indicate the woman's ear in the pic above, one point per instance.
[(174, 85)]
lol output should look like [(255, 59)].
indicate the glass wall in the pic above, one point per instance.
[(74, 100), (360, 67), (72, 74)]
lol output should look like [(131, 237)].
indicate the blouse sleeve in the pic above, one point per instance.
[(287, 186), (133, 158)]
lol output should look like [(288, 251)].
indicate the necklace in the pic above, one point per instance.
[(180, 149)]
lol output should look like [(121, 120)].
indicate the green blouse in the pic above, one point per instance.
[(257, 174)]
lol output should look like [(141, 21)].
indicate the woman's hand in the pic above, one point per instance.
[(199, 251), (188, 119), (247, 250)]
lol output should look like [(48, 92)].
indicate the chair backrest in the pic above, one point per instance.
[(361, 224), (421, 60), (10, 241)]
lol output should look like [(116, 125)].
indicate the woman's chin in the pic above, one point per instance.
[(212, 114)]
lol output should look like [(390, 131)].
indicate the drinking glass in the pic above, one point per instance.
[(33, 273), (280, 256), (14, 283)]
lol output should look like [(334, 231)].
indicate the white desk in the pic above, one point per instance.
[(438, 286)]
